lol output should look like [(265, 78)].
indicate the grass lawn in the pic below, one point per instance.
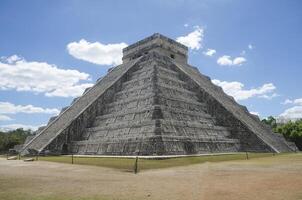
[(127, 164)]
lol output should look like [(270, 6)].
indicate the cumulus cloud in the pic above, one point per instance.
[(294, 112), (9, 127), (295, 101), (9, 108), (96, 52), (287, 101), (236, 89), (192, 40), (255, 113), (269, 96), (40, 77), (5, 118), (228, 61), (209, 52)]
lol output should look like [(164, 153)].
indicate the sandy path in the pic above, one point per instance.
[(265, 178)]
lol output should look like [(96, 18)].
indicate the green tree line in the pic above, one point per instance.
[(11, 138), (292, 131)]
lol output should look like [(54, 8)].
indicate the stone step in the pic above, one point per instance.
[(161, 79), (185, 117), (134, 93), (119, 133), (163, 99), (192, 125), (177, 146), (160, 68), (125, 115), (164, 69), (122, 124), (131, 114), (163, 88), (142, 73)]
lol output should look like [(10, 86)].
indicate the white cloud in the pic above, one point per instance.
[(295, 101), (287, 101), (239, 60), (76, 90), (255, 113), (269, 96), (13, 59), (96, 52), (209, 52), (186, 25), (193, 40), (9, 108), (236, 89), (294, 112), (227, 61), (40, 77), (5, 118), (250, 46), (9, 127), (298, 101)]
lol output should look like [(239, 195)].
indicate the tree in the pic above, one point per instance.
[(271, 121), (11, 138), (292, 131)]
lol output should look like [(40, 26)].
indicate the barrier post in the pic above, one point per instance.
[(135, 165), (247, 155)]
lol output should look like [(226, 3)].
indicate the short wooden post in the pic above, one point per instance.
[(19, 156), (135, 165), (247, 155), (37, 156), (71, 158)]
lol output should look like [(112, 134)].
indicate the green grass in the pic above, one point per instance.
[(127, 164)]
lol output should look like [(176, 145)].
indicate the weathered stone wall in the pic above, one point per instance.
[(150, 114)]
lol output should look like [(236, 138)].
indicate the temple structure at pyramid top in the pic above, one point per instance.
[(154, 103), (156, 43)]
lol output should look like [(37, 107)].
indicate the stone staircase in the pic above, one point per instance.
[(55, 128), (240, 112)]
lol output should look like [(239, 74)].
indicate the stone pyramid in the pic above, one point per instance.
[(155, 104)]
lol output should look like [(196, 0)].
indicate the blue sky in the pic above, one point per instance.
[(52, 50)]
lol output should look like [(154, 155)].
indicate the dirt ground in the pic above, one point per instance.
[(277, 178)]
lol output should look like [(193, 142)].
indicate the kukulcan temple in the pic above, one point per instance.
[(154, 103)]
